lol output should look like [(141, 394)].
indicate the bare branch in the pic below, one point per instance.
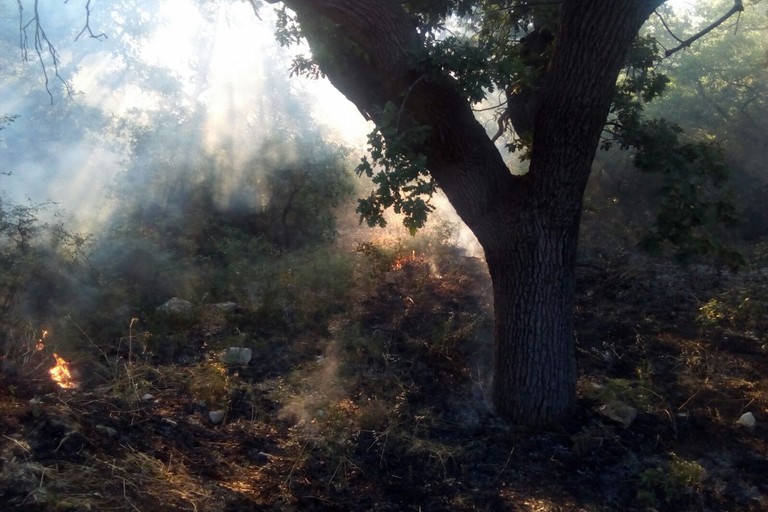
[(503, 122), (486, 109), (664, 22), (42, 45), (87, 27), (738, 7)]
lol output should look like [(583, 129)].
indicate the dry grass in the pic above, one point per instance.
[(386, 412)]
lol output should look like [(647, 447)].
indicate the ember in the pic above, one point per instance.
[(40, 345)]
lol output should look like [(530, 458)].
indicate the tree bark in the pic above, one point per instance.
[(532, 271), (527, 225)]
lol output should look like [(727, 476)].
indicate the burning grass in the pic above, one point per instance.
[(60, 373)]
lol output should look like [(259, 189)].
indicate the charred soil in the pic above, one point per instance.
[(385, 410)]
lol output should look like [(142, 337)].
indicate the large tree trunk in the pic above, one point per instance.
[(528, 225), (533, 284)]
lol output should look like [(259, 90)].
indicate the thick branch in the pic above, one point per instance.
[(738, 6), (593, 40), (373, 53)]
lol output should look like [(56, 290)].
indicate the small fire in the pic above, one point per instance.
[(60, 373), (404, 260)]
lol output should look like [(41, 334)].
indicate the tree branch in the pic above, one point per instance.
[(738, 6), (87, 26), (41, 45), (664, 22)]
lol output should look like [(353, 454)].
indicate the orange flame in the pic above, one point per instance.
[(404, 260), (60, 373)]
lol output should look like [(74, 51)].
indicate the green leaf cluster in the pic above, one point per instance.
[(399, 172), (692, 201)]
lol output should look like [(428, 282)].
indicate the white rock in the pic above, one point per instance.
[(146, 397), (747, 419), (216, 417)]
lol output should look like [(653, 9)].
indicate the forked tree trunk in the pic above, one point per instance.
[(528, 225)]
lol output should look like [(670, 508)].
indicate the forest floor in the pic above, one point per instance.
[(387, 410)]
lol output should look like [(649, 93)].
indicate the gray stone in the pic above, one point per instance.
[(224, 307), (237, 356), (177, 307), (217, 416), (619, 412)]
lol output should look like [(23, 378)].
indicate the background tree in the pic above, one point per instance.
[(555, 66), (719, 92), (680, 203)]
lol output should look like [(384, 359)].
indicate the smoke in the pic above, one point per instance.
[(185, 112), (164, 66), (320, 389), (177, 86)]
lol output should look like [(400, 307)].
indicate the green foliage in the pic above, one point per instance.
[(741, 308), (692, 199), (35, 259), (300, 209), (641, 81), (398, 170), (483, 56), (670, 482), (468, 62), (329, 47), (287, 29), (44, 272), (295, 290), (637, 393), (506, 50), (433, 13), (208, 381), (719, 92)]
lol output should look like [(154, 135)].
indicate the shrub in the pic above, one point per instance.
[(741, 308), (669, 482)]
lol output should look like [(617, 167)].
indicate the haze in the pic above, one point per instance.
[(216, 62)]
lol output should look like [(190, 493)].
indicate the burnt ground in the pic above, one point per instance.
[(386, 410)]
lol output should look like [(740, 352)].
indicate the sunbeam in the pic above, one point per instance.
[(216, 63)]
